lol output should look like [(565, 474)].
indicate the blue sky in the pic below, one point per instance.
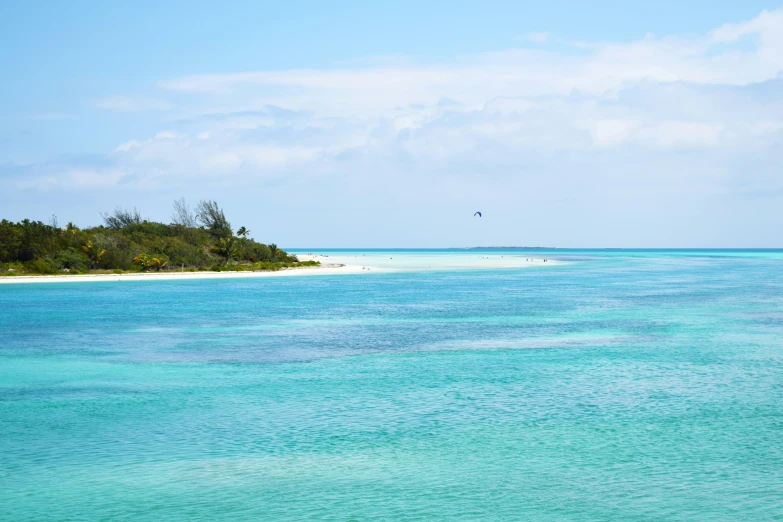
[(567, 123)]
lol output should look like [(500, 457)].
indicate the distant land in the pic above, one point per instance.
[(511, 248)]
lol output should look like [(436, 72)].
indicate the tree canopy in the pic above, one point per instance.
[(211, 217), (197, 239)]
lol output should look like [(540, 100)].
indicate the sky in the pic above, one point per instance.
[(388, 124)]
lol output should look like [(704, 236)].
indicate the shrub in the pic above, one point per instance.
[(125, 234), (42, 265), (71, 259)]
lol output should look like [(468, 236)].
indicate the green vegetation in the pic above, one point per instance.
[(194, 241)]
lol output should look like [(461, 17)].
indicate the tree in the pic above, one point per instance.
[(212, 218), (158, 263), (162, 246), (95, 253), (121, 218), (142, 260), (225, 247), (146, 262), (27, 240), (243, 242), (183, 215), (133, 243)]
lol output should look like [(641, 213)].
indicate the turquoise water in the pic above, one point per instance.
[(613, 386)]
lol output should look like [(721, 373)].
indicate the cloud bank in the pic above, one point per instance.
[(667, 140)]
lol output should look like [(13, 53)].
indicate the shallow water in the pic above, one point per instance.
[(612, 386), (419, 260)]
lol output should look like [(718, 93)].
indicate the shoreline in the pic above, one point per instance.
[(331, 264), (172, 275)]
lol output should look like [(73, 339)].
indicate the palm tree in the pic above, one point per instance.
[(274, 250), (95, 253), (225, 247), (151, 262), (142, 260), (242, 232), (158, 263)]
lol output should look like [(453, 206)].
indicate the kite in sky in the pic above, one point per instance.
[(477, 214)]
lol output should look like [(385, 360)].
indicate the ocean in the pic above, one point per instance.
[(604, 385)]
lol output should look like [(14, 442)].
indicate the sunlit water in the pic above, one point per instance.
[(610, 386)]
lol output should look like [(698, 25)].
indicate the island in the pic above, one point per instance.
[(196, 240)]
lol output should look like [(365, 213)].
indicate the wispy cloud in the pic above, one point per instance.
[(613, 128), (657, 93), (538, 37), (766, 26), (132, 104), (592, 68)]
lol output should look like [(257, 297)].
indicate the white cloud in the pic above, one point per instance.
[(606, 133), (128, 145), (508, 105), (681, 133), (766, 25), (590, 68), (601, 129), (74, 178)]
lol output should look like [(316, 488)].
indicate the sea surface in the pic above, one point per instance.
[(605, 385)]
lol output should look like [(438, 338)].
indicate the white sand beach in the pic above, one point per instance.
[(420, 261), (332, 263), (172, 275)]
